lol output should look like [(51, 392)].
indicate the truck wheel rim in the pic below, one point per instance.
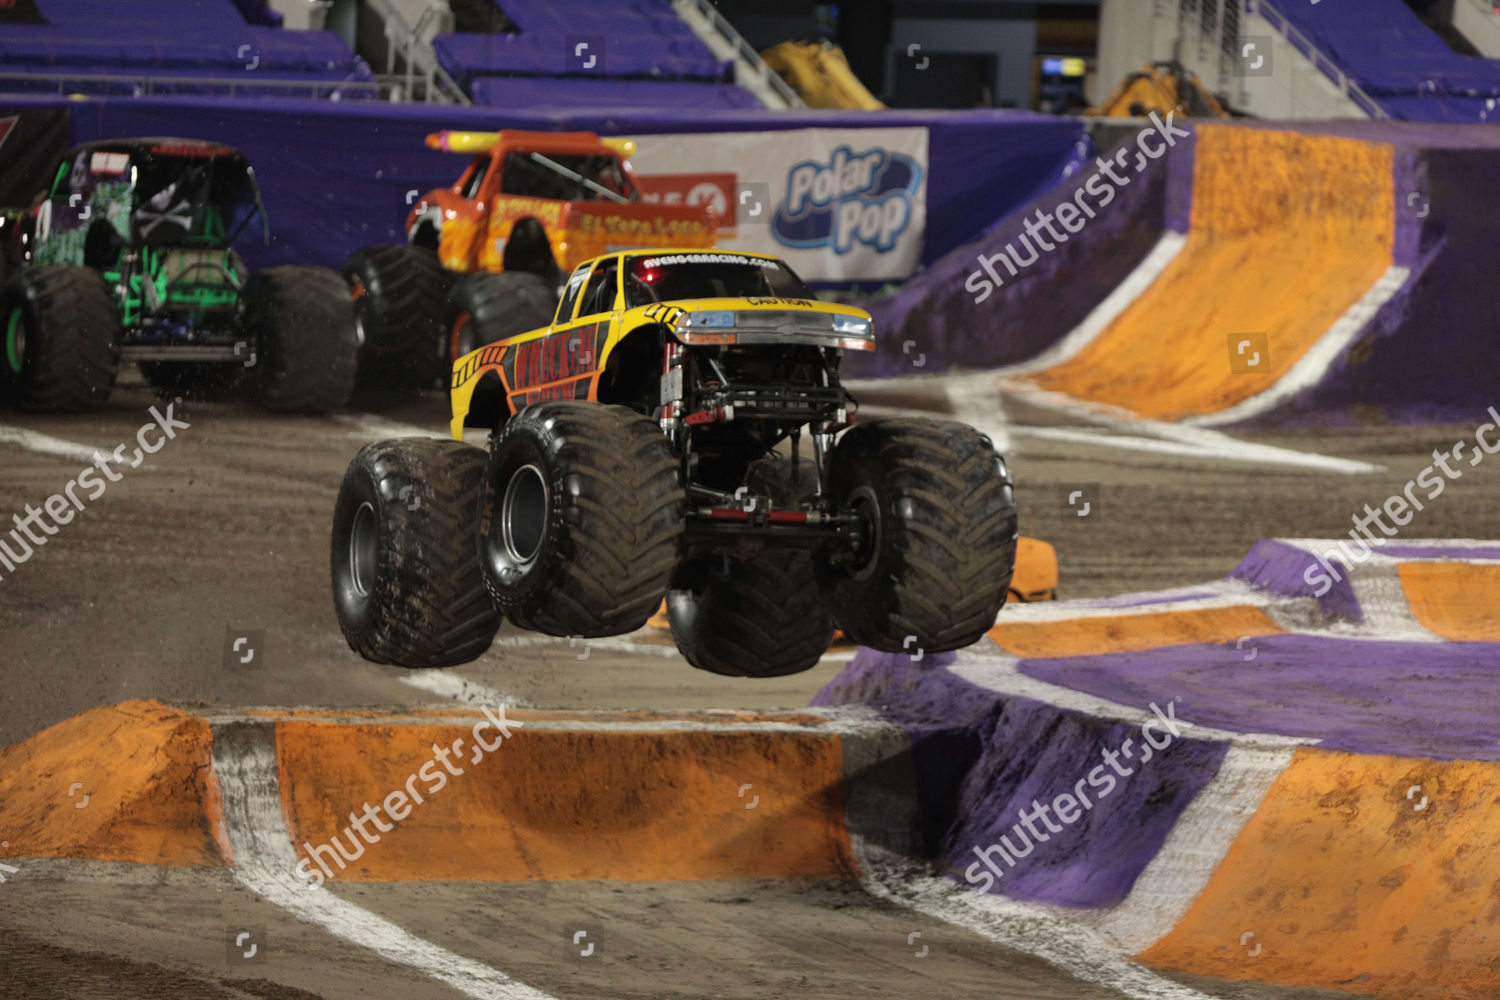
[(523, 515), (364, 549), (15, 341), (865, 505)]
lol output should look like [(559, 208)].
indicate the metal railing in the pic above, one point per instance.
[(744, 53), (1322, 62), (145, 85), (420, 62)]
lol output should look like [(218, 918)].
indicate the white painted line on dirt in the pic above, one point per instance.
[(1100, 439), (1077, 949), (46, 444), (1310, 369), (1001, 674), (1476, 544), (368, 426), (1220, 594), (841, 720), (244, 762), (1214, 443), (446, 684), (1199, 841), (978, 403), (609, 644), (1106, 312)]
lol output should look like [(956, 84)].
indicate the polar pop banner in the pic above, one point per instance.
[(838, 204)]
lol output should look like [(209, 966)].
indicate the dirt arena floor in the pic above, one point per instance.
[(223, 534)]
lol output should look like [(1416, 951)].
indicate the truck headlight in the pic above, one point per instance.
[(719, 318), (853, 326)]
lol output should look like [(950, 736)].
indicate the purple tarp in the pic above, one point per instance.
[(1408, 699), (981, 758)]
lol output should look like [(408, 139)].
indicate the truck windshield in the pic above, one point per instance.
[(565, 178), (673, 277), (189, 199)]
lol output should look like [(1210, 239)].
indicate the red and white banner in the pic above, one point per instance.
[(839, 204)]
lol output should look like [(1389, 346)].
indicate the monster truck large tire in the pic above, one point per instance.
[(303, 322), (583, 519), (940, 516), (59, 339), (755, 617), (406, 579), (398, 295), (485, 308)]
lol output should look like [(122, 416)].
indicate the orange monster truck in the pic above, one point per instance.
[(486, 256)]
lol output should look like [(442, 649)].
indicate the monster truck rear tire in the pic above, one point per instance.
[(59, 338), (406, 580), (485, 308), (398, 293), (940, 513), (755, 617), (303, 322), (582, 519)]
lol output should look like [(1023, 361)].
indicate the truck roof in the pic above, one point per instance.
[(576, 143), (158, 146), (689, 252)]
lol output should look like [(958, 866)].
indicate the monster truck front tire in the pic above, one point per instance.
[(398, 294), (61, 338), (485, 308), (582, 519), (302, 319), (755, 617), (939, 514), (406, 580)]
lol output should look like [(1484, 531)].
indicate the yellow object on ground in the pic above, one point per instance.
[(1287, 232), (1035, 578), (820, 74)]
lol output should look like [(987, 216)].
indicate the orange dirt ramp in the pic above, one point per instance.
[(1367, 874), (1457, 600), (127, 782), (1287, 232), (559, 799)]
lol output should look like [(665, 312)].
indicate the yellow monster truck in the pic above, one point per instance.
[(678, 430)]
